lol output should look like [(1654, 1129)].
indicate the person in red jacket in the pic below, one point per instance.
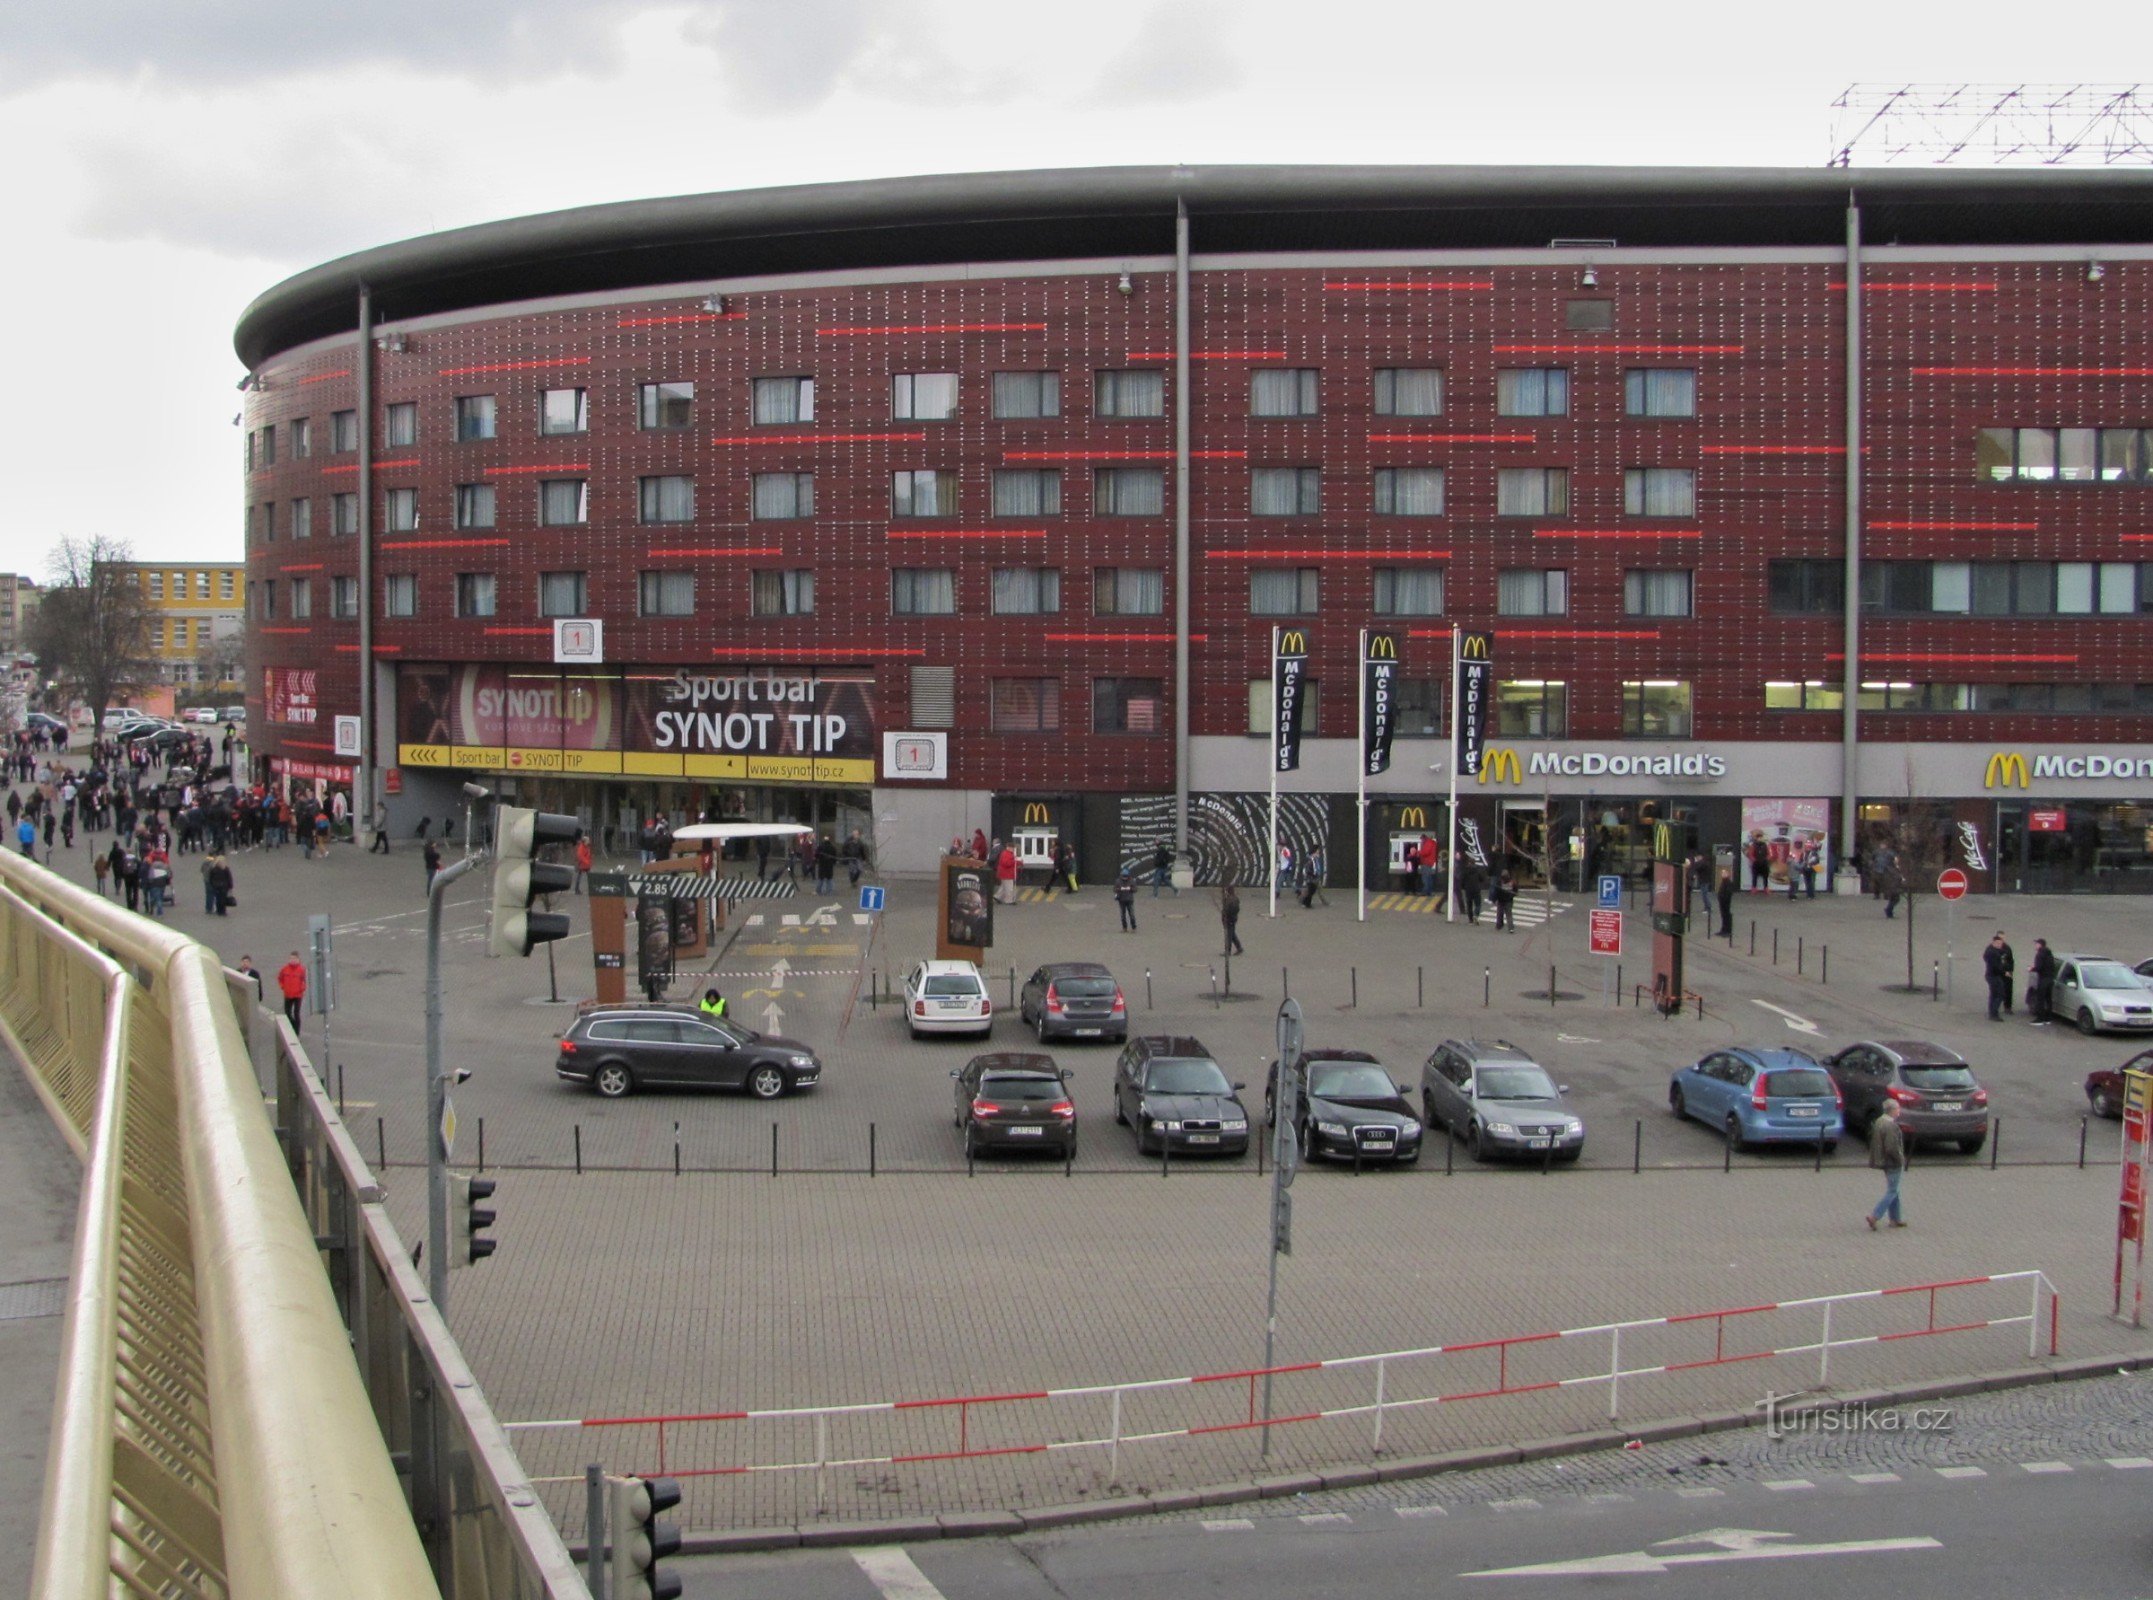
[(292, 979), (1005, 876), (583, 859)]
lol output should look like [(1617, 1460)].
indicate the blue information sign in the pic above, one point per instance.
[(1610, 892), (870, 898)]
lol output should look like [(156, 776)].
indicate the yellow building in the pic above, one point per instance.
[(18, 604), (192, 607)]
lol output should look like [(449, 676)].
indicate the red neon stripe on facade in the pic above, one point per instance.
[(1619, 349), (715, 550), (379, 466), (309, 744), (941, 327), (379, 649), (1775, 449), (814, 652), (1209, 355), (811, 438), (288, 630), (443, 544), (966, 533), (1372, 285), (2138, 538), (1959, 527), (2027, 658), (323, 377), (1618, 533), (557, 466), (1335, 555), (2033, 372), (683, 316), (1941, 285), (1551, 633), (506, 633), (1452, 438), (517, 366), (1112, 638), (311, 566)]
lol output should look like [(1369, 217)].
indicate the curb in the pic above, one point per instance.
[(1006, 1523)]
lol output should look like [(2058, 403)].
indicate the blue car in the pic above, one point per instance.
[(1761, 1097)]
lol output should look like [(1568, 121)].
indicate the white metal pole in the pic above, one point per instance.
[(1450, 901), (1276, 732), (1360, 810)]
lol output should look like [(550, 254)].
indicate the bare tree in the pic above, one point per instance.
[(222, 661), (1919, 837), (92, 631)]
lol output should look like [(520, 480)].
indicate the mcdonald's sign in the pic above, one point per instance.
[(1475, 666), (1413, 817), (1663, 842), (1293, 642), (1501, 764), (1035, 815), (1382, 647), (2007, 767), (1476, 647), (1379, 699), (1289, 694)]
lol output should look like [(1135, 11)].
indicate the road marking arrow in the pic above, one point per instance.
[(778, 969), (1733, 1544), (1573, 1038), (1799, 1024), (773, 1019), (823, 916)]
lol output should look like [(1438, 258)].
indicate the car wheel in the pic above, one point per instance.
[(766, 1082), (1121, 1117), (2086, 1024), (1674, 1101), (1479, 1142), (1040, 1027), (612, 1080), (1972, 1147), (1427, 1109), (971, 1140), (1735, 1141), (2104, 1104), (1305, 1142)]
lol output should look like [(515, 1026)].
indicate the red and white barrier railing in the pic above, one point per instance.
[(1683, 1330)]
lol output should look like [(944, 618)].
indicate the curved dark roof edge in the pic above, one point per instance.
[(1111, 211)]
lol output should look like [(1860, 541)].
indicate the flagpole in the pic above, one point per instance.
[(1360, 809), (1450, 900)]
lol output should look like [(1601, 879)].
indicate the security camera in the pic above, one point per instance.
[(474, 791)]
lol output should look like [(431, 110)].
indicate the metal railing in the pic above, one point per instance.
[(212, 1434)]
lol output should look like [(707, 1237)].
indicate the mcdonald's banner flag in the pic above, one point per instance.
[(1379, 700), (1289, 690), (1476, 686)]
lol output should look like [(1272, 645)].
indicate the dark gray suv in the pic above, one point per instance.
[(1500, 1099)]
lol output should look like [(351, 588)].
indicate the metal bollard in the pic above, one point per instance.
[(1936, 980), (1285, 986), (1450, 1153), (1637, 1147), (1820, 1147), (2082, 1144), (579, 1149), (1012, 988), (1147, 989), (1753, 936), (773, 1149), (1618, 983), (676, 1149), (1354, 976), (1824, 964), (1775, 947), (381, 1145), (1551, 986), (1726, 1159), (1799, 941), (482, 1144), (1420, 987), (1487, 979), (1166, 1152), (1995, 1140), (870, 1149)]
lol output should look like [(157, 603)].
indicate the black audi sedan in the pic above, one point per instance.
[(620, 1049), (1346, 1106)]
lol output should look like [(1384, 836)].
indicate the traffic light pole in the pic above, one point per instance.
[(437, 1092)]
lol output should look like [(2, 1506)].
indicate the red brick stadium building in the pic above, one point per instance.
[(931, 504)]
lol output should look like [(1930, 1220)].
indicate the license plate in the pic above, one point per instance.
[(1801, 1111), (1947, 1105), (1024, 1133), (1378, 1138), (1203, 1138), (1539, 1144), (953, 1005), (1084, 1033)]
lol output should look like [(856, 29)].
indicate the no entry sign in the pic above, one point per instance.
[(1951, 884)]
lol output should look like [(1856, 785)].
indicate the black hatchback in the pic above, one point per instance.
[(619, 1049), (1015, 1100)]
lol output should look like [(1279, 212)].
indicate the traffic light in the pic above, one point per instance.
[(518, 879), (471, 1217), (641, 1539)]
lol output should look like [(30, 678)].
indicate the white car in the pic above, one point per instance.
[(2098, 994), (947, 997), (200, 714)]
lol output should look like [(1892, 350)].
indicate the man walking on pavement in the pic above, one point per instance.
[(2000, 965), (292, 982), (1887, 1152), (1726, 904), (1125, 897), (1472, 880), (380, 846), (2044, 982), (1230, 919)]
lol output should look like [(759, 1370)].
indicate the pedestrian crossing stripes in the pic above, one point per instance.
[(1526, 913), (860, 919)]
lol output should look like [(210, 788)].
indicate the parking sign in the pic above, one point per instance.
[(1610, 892)]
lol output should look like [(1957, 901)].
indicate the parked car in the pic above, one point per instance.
[(1346, 1106), (199, 714), (2104, 1085), (2097, 992), (1015, 1100), (1502, 1100), (1935, 1089), (1171, 1093), (1760, 1096), (947, 997), (1074, 1000), (231, 713), (50, 723), (620, 1049)]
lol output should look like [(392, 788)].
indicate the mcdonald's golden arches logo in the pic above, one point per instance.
[(1382, 647), (1501, 764), (2007, 767), (1293, 642), (1413, 817), (1473, 647), (1663, 841), (1035, 815)]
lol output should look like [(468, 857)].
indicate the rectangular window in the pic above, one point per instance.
[(1656, 708), (1532, 592), (1128, 592), (302, 598), (1588, 316), (923, 493), (664, 405), (474, 505), (934, 697), (1409, 491), (265, 521), (1532, 492), (2123, 455), (302, 437), (343, 431), (1127, 705), (1408, 592), (343, 513), (1028, 493), (924, 397), (400, 595), (476, 417), (269, 446), (400, 510), (923, 591), (1808, 694), (666, 499), (1027, 591), (789, 593), (1532, 392), (665, 594), (1128, 491), (1659, 492), (1283, 591), (784, 400), (344, 598), (1993, 455), (1129, 393), (1259, 706), (268, 592), (1019, 395), (302, 519), (474, 594), (564, 502), (1655, 594), (225, 585), (564, 411), (1282, 392), (2074, 588), (1807, 588), (1409, 392), (1659, 392), (783, 496), (1284, 491), (1532, 708), (1025, 705), (562, 594), (400, 425), (250, 452), (201, 584)]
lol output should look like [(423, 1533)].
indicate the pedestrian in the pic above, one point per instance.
[(2041, 998), (1890, 882), (26, 834), (100, 869), (1125, 897), (713, 1004), (127, 868), (380, 846), (979, 844), (1887, 1153), (247, 969), (209, 895), (321, 835), (1005, 876), (826, 863), (1999, 965), (1055, 867), (1424, 859), (1230, 919), (855, 854), (1506, 891), (583, 858), (292, 984), (220, 887), (1811, 851), (1305, 891), (1472, 884), (1760, 864), (432, 859), (1726, 904), (1318, 873), (1162, 867)]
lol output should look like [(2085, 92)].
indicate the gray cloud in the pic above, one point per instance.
[(1181, 52), (797, 55)]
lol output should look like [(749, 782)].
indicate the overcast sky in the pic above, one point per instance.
[(169, 161)]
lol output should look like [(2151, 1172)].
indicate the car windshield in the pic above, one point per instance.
[(1024, 1088), (2109, 975), (1805, 1081), (1938, 1078), (1514, 1083), (953, 984), (1186, 1077), (1084, 988), (1350, 1081)]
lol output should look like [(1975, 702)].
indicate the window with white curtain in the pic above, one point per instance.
[(1655, 593), (666, 499), (1659, 492), (1532, 392), (788, 593), (924, 396), (302, 598), (1409, 392), (1282, 392), (1659, 392), (475, 594), (1019, 395), (564, 502), (344, 597), (302, 519), (1024, 492), (664, 405), (1284, 491), (1409, 491), (1024, 705), (1129, 393), (400, 595), (400, 510), (476, 417), (562, 594), (784, 399), (924, 492), (1128, 592), (1532, 592), (1283, 591), (1128, 492), (564, 411), (302, 437), (474, 505), (343, 513), (1532, 492), (1027, 591), (399, 426), (1407, 592), (343, 431), (923, 591), (665, 594), (783, 496)]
